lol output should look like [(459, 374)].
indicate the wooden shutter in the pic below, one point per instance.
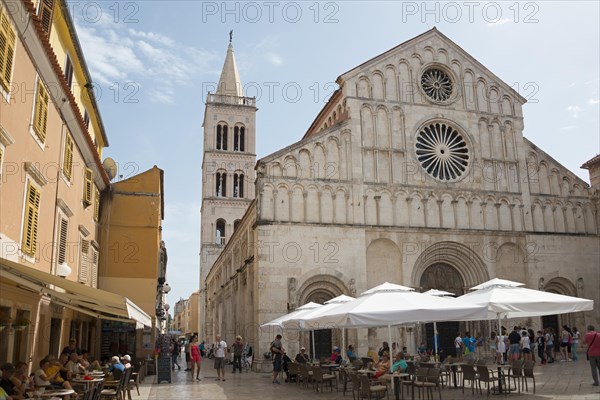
[(94, 267), (40, 118), (84, 261), (68, 160), (96, 203), (7, 49), (45, 11), (62, 240), (87, 187), (29, 242)]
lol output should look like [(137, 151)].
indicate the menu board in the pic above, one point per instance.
[(163, 369)]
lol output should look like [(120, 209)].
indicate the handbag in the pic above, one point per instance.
[(587, 352)]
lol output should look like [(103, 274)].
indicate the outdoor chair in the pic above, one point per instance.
[(344, 380), (367, 390), (319, 378), (293, 371), (516, 373), (304, 374), (469, 374), (420, 375), (484, 375), (528, 373), (354, 378), (115, 392), (430, 381)]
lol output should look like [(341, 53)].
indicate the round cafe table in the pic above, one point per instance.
[(56, 393)]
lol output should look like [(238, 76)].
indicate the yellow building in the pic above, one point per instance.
[(185, 317), (51, 177), (133, 258)]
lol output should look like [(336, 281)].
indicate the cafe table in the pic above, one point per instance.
[(88, 383), (54, 393), (501, 369)]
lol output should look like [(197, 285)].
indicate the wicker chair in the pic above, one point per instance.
[(469, 374), (319, 378), (516, 373), (484, 375), (528, 373), (354, 378), (367, 390)]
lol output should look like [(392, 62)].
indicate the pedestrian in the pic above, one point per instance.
[(592, 339), (385, 347), (549, 345), (565, 339), (238, 349), (501, 346), (514, 340), (220, 348), (525, 345), (188, 358), (576, 338), (175, 354), (277, 351), (195, 357), (469, 345), (541, 346), (458, 345)]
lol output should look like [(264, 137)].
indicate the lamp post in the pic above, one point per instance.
[(162, 308)]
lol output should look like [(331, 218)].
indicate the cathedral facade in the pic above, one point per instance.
[(415, 172)]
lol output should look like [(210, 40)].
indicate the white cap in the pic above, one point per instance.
[(126, 357)]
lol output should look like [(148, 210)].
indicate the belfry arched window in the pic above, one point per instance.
[(220, 231), (221, 184), (238, 185), (239, 133), (221, 137)]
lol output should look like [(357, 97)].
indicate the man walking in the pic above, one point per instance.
[(277, 351), (592, 339), (514, 351), (220, 348)]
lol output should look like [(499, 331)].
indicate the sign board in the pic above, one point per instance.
[(163, 369)]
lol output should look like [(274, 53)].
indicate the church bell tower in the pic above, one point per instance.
[(228, 164)]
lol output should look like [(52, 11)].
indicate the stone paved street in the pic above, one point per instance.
[(555, 381)]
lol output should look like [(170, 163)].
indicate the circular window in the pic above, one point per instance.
[(437, 85), (442, 151)]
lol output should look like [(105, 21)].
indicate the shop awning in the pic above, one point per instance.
[(95, 302)]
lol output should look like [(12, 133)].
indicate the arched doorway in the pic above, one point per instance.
[(565, 287), (444, 277), (319, 289)]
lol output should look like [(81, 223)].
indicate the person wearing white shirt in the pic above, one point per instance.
[(220, 349)]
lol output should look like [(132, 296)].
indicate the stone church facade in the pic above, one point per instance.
[(415, 172)]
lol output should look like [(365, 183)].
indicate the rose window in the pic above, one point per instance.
[(442, 151), (437, 85)]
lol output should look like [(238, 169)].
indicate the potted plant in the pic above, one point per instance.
[(20, 323)]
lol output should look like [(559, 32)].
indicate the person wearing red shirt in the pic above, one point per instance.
[(592, 339)]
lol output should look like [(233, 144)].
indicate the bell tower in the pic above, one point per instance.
[(229, 158)]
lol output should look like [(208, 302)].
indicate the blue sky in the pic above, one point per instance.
[(153, 62)]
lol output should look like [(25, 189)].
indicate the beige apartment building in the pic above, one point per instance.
[(51, 180), (185, 316)]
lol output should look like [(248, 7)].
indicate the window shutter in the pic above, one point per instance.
[(87, 187), (84, 261), (40, 118), (62, 240), (94, 267), (7, 49), (29, 242), (96, 203), (68, 160), (45, 13)]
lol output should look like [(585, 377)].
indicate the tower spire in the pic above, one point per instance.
[(230, 83)]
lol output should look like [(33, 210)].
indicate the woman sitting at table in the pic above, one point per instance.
[(53, 380), (336, 357), (399, 363), (351, 354), (383, 366)]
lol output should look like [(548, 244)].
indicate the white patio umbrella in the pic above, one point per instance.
[(389, 304), (300, 320), (298, 312), (514, 301), (440, 293)]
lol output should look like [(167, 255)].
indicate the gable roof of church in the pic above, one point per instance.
[(433, 32)]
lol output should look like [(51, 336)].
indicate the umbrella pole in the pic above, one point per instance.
[(313, 344), (435, 343), (390, 338)]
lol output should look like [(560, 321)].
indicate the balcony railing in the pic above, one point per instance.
[(231, 100)]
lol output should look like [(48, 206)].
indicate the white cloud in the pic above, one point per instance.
[(594, 102), (499, 22), (117, 53), (574, 110), (274, 59)]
